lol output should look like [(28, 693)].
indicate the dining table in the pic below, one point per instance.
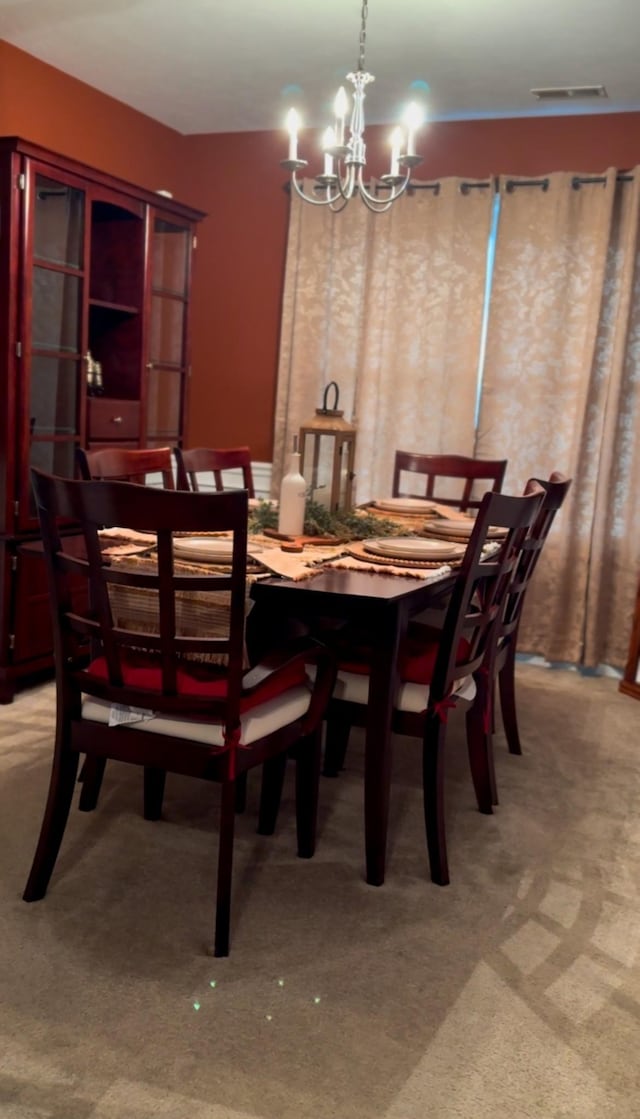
[(384, 604), (342, 584)]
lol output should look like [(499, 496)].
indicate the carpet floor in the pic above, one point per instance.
[(512, 993)]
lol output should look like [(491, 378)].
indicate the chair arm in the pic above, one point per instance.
[(299, 649), (307, 650)]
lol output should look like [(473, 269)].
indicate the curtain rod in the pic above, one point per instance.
[(494, 182), (576, 182)]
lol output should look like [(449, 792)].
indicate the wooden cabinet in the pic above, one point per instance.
[(92, 269)]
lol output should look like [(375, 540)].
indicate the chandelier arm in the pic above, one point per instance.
[(314, 201), (346, 185), (335, 209), (379, 208), (376, 203)]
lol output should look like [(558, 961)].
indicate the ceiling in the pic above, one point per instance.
[(225, 66)]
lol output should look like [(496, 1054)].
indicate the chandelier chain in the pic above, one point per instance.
[(363, 33)]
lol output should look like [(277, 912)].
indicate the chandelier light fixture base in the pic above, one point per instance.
[(345, 158)]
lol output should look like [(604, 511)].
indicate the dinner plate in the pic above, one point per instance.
[(442, 527), (404, 504), (208, 549), (410, 547)]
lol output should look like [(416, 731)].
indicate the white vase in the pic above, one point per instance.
[(292, 499)]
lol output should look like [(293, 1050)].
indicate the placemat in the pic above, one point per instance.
[(447, 539), (357, 550), (412, 523), (356, 559)]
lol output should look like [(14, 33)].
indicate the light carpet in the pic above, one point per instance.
[(512, 993)]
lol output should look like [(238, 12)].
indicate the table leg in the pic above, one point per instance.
[(377, 776)]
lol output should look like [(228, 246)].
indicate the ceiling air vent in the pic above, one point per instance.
[(569, 92)]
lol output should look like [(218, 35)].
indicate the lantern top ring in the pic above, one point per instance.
[(325, 410)]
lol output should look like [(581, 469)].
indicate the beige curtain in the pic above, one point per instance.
[(614, 567), (390, 307), (558, 394)]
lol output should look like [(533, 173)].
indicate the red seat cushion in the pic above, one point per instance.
[(205, 681), (417, 660)]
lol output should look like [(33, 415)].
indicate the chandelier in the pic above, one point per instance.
[(345, 159)]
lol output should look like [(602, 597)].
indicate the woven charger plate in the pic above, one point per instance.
[(411, 522), (357, 550), (405, 506), (399, 514)]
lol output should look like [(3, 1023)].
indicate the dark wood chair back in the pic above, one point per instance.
[(502, 665), (200, 460), (126, 464), (435, 468), (482, 588), (212, 718), (556, 489)]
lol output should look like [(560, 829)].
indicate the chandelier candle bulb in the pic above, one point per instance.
[(293, 124), (413, 120), (328, 142), (293, 492), (396, 144)]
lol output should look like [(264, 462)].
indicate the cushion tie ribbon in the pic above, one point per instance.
[(442, 707)]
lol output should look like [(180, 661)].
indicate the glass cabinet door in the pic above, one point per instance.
[(53, 338), (167, 353)]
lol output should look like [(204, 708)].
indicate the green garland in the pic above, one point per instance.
[(320, 521)]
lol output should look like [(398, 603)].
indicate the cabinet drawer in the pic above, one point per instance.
[(111, 420)]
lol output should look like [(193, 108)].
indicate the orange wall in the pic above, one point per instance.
[(47, 107), (236, 179), (237, 293)]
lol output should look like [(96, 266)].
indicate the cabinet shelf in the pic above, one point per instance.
[(119, 308)]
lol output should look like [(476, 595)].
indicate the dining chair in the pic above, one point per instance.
[(126, 464), (435, 468), (436, 670), (201, 460), (160, 700), (503, 658)]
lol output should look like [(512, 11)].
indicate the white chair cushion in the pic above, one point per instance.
[(256, 723), (354, 687)]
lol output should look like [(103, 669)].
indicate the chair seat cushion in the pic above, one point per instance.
[(353, 687), (256, 723), (417, 660), (206, 681)]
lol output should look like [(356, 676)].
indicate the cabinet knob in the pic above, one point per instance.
[(116, 419), (150, 365)]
